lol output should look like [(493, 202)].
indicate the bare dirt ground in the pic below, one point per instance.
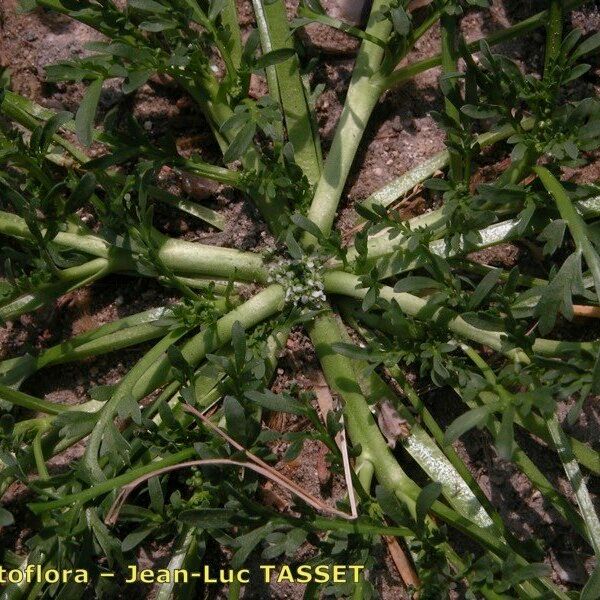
[(401, 135)]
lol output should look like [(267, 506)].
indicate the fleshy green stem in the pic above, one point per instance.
[(586, 506), (183, 553), (31, 115), (362, 428), (70, 279), (429, 422), (363, 431), (129, 331), (346, 284), (190, 258), (385, 251), (361, 99), (152, 370), (119, 398), (404, 184), (38, 452), (30, 402), (123, 333), (338, 282), (285, 82), (420, 446)]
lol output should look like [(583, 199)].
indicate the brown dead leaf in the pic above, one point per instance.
[(392, 425), (583, 311), (416, 4), (271, 498), (402, 562), (198, 188), (323, 471), (323, 396)]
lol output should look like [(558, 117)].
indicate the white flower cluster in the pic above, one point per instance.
[(301, 280)]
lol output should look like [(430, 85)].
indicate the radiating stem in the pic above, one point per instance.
[(285, 83), (190, 258), (420, 446), (363, 431), (586, 505), (404, 184), (70, 279), (153, 369), (30, 402), (38, 452), (181, 554), (122, 395), (385, 250), (346, 284), (361, 99)]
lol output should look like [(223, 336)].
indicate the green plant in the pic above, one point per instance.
[(409, 290)]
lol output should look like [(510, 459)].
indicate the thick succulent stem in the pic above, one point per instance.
[(586, 505), (404, 184), (70, 279), (363, 431), (190, 258), (285, 82), (346, 284), (360, 101), (151, 370)]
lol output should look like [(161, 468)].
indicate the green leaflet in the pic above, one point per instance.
[(84, 118)]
